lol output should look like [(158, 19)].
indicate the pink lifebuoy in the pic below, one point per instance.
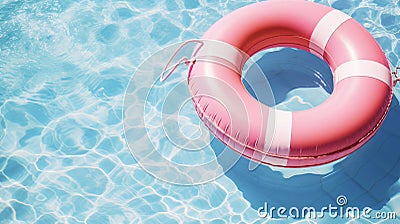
[(343, 123)]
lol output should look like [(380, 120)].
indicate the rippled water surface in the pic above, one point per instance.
[(64, 69)]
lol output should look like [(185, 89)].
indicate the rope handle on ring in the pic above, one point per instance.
[(184, 59), (395, 73)]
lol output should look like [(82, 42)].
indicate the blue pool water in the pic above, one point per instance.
[(64, 156)]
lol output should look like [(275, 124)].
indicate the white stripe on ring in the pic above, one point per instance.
[(363, 68), (221, 52), (279, 133), (324, 30)]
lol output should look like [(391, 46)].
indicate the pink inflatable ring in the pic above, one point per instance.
[(343, 123)]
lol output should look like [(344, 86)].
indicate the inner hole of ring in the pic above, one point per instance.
[(298, 79)]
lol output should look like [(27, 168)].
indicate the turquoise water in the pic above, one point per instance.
[(65, 67)]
